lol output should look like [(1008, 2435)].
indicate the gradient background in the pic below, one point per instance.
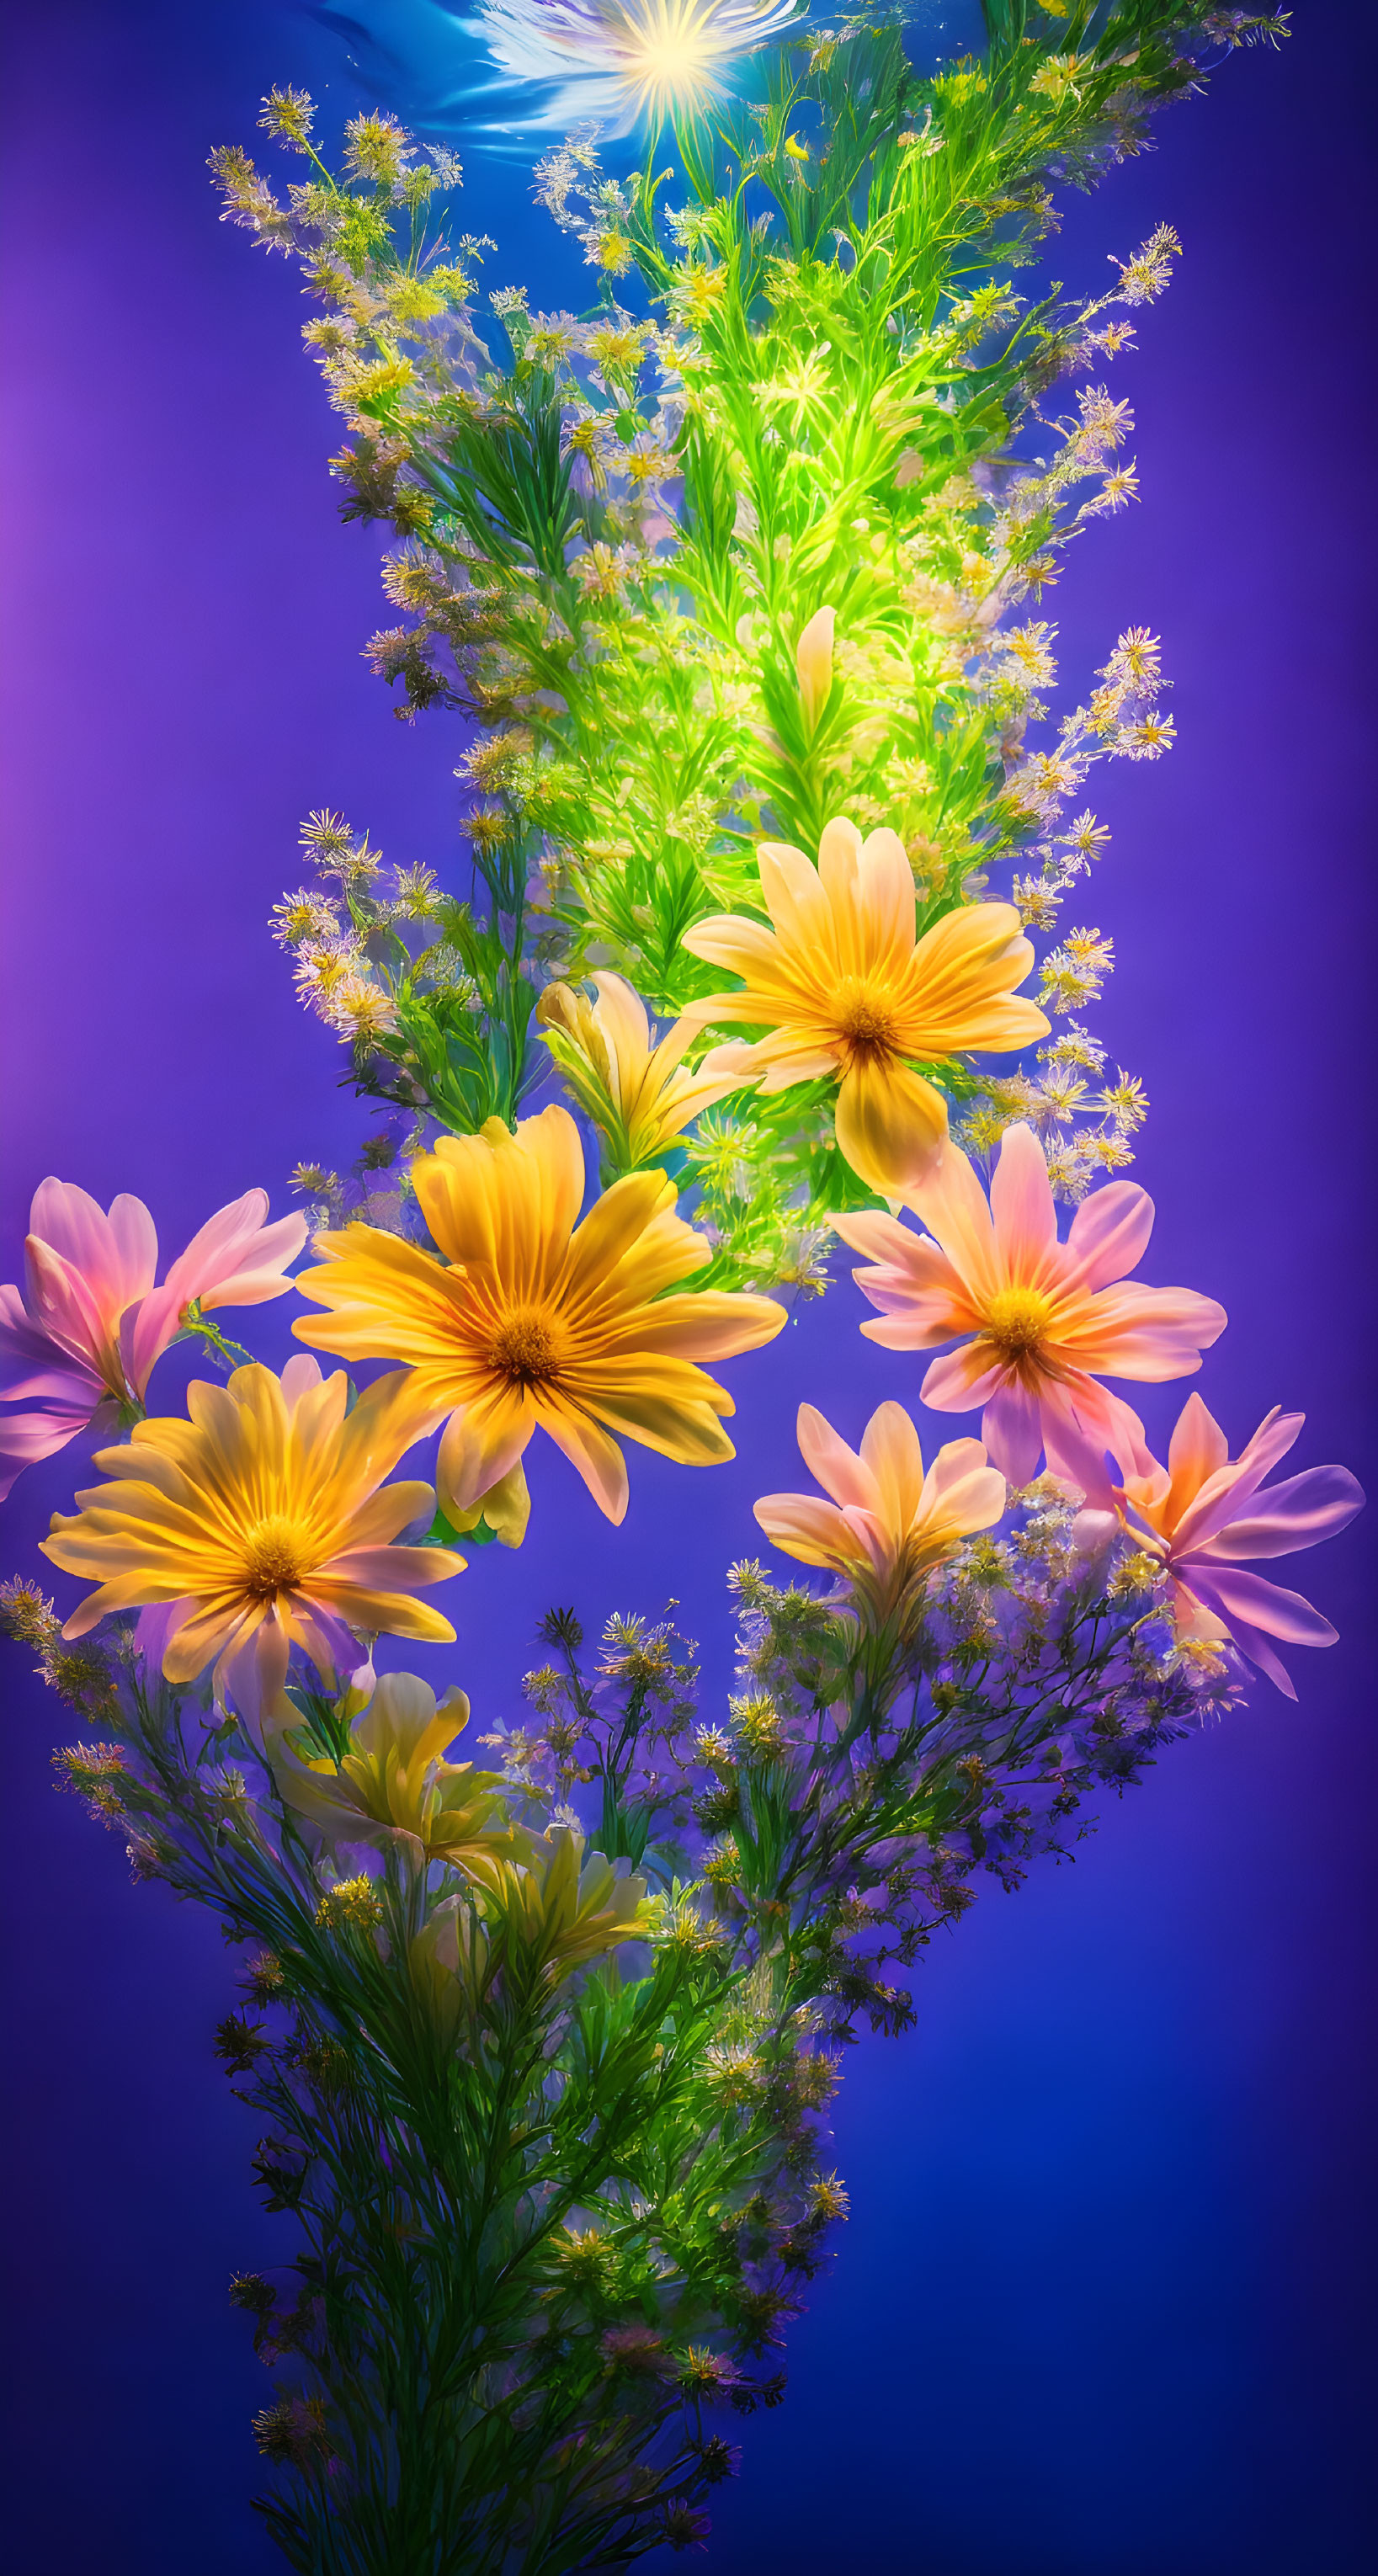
[(1105, 2304)]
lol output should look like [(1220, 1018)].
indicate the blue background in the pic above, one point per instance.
[(1104, 2306)]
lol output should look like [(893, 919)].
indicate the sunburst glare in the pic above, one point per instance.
[(621, 61)]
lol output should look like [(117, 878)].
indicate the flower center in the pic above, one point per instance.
[(866, 1024), (274, 1560), (528, 1347), (1016, 1321)]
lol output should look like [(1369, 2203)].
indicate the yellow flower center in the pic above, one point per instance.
[(528, 1347), (275, 1559), (1016, 1321), (866, 1024)]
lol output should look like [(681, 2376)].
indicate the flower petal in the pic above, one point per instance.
[(891, 1124), (814, 1531), (833, 1465), (1298, 1513), (1109, 1233)]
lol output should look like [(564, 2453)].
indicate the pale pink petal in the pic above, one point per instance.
[(1022, 1206), (33, 1364), (1093, 1534), (953, 1206), (252, 1672), (145, 1332), (1109, 1233), (156, 1623), (876, 1542), (64, 1302), (918, 1286), (806, 1527), (1253, 1611), (1093, 1415), (26, 1437), (1147, 1333), (299, 1376), (882, 1238), (1239, 1595), (1299, 1513), (837, 1468), (1223, 1496), (957, 1381), (1080, 1456), (1012, 1430), (259, 1272), (235, 1260), (117, 1254)]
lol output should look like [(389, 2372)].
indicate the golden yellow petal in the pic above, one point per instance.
[(891, 1125), (961, 983), (588, 1447)]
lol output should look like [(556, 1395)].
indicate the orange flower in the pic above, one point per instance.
[(537, 1320), (843, 988), (887, 1522), (256, 1526)]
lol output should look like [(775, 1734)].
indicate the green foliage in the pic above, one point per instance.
[(619, 531)]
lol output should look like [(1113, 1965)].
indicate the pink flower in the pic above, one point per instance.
[(1039, 1319), (888, 1521), (83, 1336), (1204, 1517)]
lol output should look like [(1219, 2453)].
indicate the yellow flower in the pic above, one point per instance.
[(538, 1320), (395, 1780), (638, 1096), (256, 1526), (842, 987), (541, 1918)]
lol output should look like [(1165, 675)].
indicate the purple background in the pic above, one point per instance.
[(1104, 2305)]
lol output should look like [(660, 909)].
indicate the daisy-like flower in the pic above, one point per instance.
[(555, 1910), (84, 1335), (1204, 1518), (616, 61), (639, 1097), (395, 1781), (887, 1521), (844, 989), (1040, 1320), (534, 1319), (260, 1524)]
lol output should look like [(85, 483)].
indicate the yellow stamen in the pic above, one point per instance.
[(274, 1559), (527, 1347), (1016, 1321), (867, 1025)]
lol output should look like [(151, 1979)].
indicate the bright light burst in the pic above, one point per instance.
[(621, 60)]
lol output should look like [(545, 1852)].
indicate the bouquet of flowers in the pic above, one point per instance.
[(758, 960)]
